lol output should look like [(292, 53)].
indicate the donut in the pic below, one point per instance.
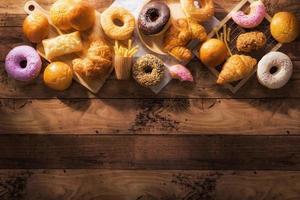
[(148, 70), (154, 18), (23, 63), (284, 70), (199, 13), (254, 18), (118, 23)]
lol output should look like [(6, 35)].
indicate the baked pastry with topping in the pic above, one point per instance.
[(97, 63)]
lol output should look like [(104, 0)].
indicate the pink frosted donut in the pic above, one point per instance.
[(181, 73), (23, 63), (254, 18)]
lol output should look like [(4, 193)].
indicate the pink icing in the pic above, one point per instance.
[(254, 18), (181, 73), (13, 63)]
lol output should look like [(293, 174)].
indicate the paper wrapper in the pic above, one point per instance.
[(123, 67)]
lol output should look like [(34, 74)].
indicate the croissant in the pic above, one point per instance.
[(236, 68), (97, 62), (181, 32)]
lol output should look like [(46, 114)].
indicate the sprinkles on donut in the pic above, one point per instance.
[(148, 70)]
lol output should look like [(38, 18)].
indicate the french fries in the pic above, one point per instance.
[(125, 52), (225, 37)]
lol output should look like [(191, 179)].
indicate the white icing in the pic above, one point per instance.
[(281, 76)]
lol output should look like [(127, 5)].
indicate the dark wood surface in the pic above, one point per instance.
[(191, 142)]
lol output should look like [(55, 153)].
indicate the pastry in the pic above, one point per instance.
[(201, 13), (181, 73), (97, 63), (82, 16), (23, 63), (154, 18), (251, 41), (58, 76), (59, 14), (148, 70), (213, 52), (62, 45), (280, 76), (36, 27), (285, 27), (118, 23), (181, 32), (236, 68), (254, 18)]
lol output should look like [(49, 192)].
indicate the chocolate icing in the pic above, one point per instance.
[(153, 18)]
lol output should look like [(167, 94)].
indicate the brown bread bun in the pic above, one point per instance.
[(59, 12), (213, 52), (82, 16), (36, 27), (58, 76), (284, 27)]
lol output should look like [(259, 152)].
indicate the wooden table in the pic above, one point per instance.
[(192, 141)]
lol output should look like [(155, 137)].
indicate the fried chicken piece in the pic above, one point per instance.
[(251, 41)]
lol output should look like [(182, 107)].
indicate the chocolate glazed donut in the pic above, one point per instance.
[(153, 18)]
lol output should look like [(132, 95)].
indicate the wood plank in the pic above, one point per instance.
[(16, 7), (149, 185), (150, 152), (154, 116), (204, 87)]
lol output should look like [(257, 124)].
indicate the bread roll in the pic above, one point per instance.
[(59, 12), (36, 27), (213, 52), (82, 16), (58, 76), (284, 27)]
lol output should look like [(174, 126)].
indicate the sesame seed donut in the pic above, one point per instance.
[(283, 73), (148, 70), (254, 18), (110, 19)]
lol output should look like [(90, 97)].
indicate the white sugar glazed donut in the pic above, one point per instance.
[(283, 73)]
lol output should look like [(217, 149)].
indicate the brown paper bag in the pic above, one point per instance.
[(123, 67)]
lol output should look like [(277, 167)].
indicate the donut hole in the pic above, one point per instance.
[(152, 14), (118, 22), (273, 70), (31, 7), (23, 64), (148, 69)]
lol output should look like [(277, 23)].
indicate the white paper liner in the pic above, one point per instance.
[(134, 6)]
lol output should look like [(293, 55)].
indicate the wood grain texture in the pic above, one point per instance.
[(149, 152), (151, 116), (148, 185)]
